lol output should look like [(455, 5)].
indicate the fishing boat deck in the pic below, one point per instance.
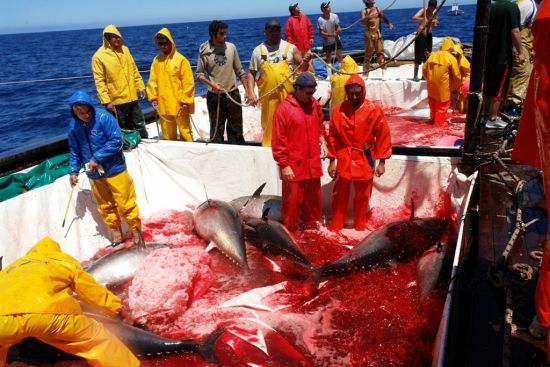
[(496, 301)]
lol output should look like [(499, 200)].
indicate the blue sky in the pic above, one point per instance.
[(41, 15)]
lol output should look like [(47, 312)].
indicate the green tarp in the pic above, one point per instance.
[(41, 175)]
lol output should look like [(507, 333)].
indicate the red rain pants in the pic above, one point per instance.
[(438, 111), (305, 195), (340, 195)]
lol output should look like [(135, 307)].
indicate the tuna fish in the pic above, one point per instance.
[(120, 266), (273, 238), (431, 269), (141, 342), (217, 222), (399, 241), (255, 205)]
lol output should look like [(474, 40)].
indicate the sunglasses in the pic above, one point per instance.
[(162, 43)]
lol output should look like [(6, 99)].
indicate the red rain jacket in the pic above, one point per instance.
[(534, 127), (299, 31), (353, 129), (295, 140)]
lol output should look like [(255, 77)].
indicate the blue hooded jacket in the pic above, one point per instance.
[(99, 140)]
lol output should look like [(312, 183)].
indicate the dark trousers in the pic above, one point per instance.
[(222, 109), (130, 117), (422, 44)]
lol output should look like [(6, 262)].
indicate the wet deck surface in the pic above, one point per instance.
[(495, 281)]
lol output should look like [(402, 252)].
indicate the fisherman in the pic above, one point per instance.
[(442, 78), (504, 23), (171, 88), (37, 302), (519, 77), (359, 135), (338, 81), (465, 71), (298, 145), (272, 60), (531, 147), (299, 30), (118, 82), (220, 60), (95, 142), (329, 28), (426, 18), (370, 17)]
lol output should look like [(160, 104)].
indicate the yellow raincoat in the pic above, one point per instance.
[(116, 76), (272, 75), (36, 292), (171, 84), (338, 81), (464, 67), (442, 73)]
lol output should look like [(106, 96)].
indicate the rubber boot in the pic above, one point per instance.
[(138, 238), (416, 73)]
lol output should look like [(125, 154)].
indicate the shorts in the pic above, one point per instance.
[(497, 79), (333, 47)]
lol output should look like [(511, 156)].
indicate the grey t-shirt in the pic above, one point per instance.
[(328, 26), (221, 63)]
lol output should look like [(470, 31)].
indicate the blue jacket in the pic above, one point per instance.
[(99, 140)]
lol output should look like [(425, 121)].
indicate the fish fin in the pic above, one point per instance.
[(211, 246), (259, 190), (412, 210), (265, 213), (206, 348)]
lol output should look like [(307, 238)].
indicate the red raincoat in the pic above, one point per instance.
[(299, 31), (535, 127), (351, 129)]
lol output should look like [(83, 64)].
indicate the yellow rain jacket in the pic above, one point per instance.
[(37, 301), (116, 75), (442, 73), (464, 67), (43, 281), (171, 83), (338, 81), (272, 75)]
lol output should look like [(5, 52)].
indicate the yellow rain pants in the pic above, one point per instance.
[(116, 198), (74, 334), (271, 75), (170, 127), (338, 81)]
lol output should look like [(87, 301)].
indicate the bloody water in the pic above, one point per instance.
[(374, 318)]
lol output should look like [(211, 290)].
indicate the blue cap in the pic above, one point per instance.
[(304, 80)]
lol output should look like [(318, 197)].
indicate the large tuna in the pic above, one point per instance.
[(273, 238), (217, 222), (255, 205), (120, 266), (433, 267), (140, 342), (399, 241)]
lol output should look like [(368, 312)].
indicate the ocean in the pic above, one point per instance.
[(33, 111)]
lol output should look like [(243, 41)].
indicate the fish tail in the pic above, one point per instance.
[(206, 348)]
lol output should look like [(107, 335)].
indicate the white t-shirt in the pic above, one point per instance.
[(274, 54), (328, 26), (527, 11)]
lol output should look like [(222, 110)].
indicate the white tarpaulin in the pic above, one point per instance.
[(175, 175)]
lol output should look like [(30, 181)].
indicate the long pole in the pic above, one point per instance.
[(472, 130)]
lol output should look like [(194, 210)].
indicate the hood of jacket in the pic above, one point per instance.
[(356, 79), (45, 246), (110, 29), (447, 44), (166, 33), (81, 97), (349, 65)]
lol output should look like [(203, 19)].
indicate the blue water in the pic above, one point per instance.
[(33, 113)]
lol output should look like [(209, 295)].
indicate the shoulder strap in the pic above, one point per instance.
[(263, 52), (287, 47)]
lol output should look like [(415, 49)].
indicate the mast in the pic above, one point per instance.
[(472, 130)]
